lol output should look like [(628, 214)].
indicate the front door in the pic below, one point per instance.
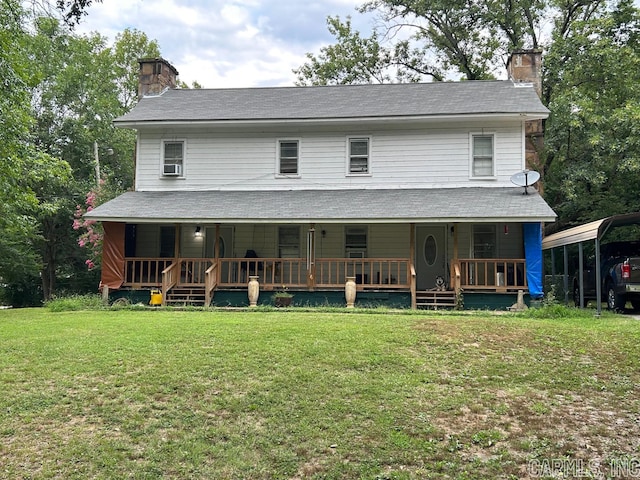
[(226, 245), (431, 256)]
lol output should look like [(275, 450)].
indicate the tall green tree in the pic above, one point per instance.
[(353, 59), (25, 170), (593, 133), (444, 39), (85, 85)]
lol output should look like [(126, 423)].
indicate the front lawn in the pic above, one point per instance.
[(292, 395)]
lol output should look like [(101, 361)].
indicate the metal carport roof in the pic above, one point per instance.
[(582, 233), (589, 231)]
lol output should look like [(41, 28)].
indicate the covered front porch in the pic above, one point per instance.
[(426, 266), (420, 244)]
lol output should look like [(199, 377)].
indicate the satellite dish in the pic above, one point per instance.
[(525, 179)]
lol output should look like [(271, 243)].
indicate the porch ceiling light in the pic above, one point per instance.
[(198, 232)]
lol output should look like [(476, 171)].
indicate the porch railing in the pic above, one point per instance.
[(499, 275), (145, 272), (369, 273), (388, 273), (210, 282)]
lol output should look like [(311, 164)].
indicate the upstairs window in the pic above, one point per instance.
[(482, 161), (288, 157), (359, 161), (173, 158)]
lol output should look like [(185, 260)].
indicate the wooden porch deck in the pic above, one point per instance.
[(371, 274)]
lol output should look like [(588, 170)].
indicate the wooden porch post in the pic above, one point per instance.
[(216, 254), (412, 263), (311, 257), (454, 263), (176, 246)]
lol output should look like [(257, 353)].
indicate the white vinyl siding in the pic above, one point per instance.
[(482, 155), (432, 156)]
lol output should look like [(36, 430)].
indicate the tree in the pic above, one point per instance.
[(593, 133), (85, 85), (353, 59), (441, 39), (59, 96), (68, 11), (17, 226)]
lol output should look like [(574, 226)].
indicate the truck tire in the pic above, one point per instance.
[(615, 302), (635, 304)]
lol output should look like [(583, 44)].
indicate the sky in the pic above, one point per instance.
[(229, 43)]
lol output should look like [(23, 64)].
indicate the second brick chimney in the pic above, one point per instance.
[(155, 75), (525, 66)]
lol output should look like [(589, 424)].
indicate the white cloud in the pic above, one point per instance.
[(232, 43)]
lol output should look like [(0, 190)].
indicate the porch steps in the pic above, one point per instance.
[(185, 296), (435, 299)]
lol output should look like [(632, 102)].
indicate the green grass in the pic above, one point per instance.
[(291, 394)]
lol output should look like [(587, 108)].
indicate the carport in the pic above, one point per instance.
[(590, 231)]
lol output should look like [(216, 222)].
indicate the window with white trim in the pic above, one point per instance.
[(288, 157), (484, 241), (173, 158), (482, 155), (355, 242), (358, 158), (289, 242)]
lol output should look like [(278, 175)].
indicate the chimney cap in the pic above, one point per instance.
[(156, 60)]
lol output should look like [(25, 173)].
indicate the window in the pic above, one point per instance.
[(288, 155), (482, 156), (173, 158), (484, 241), (355, 242), (358, 156), (289, 242)]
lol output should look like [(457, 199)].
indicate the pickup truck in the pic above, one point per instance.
[(619, 276)]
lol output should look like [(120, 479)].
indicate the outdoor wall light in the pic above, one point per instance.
[(198, 232)]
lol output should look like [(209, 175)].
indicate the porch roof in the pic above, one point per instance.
[(441, 205)]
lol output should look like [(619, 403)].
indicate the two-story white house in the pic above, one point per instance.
[(394, 185)]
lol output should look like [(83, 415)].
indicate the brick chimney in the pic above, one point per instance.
[(525, 66), (155, 75)]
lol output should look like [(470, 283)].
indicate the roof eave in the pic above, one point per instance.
[(523, 116), (306, 221)]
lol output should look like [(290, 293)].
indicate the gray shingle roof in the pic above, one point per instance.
[(304, 206), (338, 102)]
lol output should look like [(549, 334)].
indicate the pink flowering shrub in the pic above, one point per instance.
[(91, 232)]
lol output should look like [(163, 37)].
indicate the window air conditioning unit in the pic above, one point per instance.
[(172, 169)]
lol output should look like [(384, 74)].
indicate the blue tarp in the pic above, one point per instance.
[(533, 257)]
